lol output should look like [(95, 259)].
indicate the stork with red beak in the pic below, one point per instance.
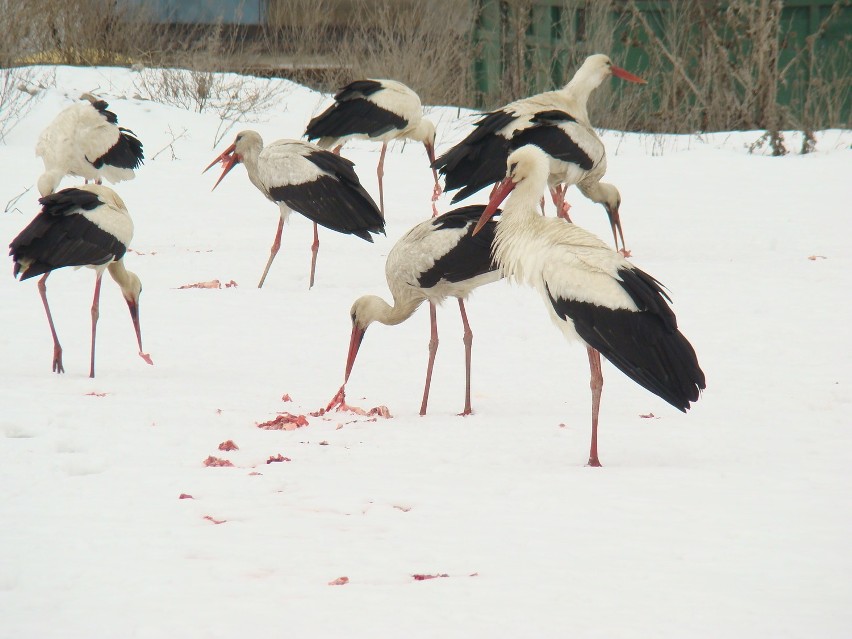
[(558, 123), (300, 176), (379, 110), (592, 293), (437, 259), (85, 226)]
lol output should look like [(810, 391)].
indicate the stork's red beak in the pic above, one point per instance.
[(354, 345), (501, 191), (618, 72), (615, 224), (229, 160), (133, 306)]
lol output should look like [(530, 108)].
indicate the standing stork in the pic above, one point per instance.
[(300, 176), (555, 121), (380, 110), (437, 259), (85, 226), (592, 293), (85, 140)]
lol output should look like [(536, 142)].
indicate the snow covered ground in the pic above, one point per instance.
[(733, 520)]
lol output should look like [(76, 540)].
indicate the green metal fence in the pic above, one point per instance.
[(549, 30)]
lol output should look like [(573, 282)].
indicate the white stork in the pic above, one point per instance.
[(437, 259), (592, 293), (300, 176), (555, 121), (85, 140), (84, 226), (380, 110)]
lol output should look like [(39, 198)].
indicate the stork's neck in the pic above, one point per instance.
[(378, 310), (519, 234), (578, 90), (249, 156), (126, 280)]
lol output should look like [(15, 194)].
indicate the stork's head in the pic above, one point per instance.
[(608, 196), (599, 67), (48, 181), (527, 168), (364, 312), (245, 144)]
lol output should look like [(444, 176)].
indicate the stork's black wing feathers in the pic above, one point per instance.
[(353, 114), (101, 107), (479, 159), (645, 345), (124, 154), (60, 236), (69, 201), (357, 89), (336, 201), (546, 135), (471, 256)]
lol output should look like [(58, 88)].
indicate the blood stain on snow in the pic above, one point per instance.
[(340, 581), (185, 496), (285, 421), (420, 577), (215, 521), (228, 445), (278, 458), (209, 284), (216, 462)]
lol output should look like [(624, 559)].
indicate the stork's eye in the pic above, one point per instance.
[(512, 167)]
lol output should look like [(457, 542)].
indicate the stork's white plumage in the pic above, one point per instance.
[(300, 176), (437, 259), (85, 140), (379, 110), (555, 121), (592, 293), (85, 226)]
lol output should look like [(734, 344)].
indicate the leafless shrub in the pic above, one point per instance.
[(19, 89), (234, 98), (171, 144), (427, 45)]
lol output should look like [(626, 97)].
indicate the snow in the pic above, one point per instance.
[(732, 520)]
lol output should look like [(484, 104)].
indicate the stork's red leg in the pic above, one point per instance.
[(596, 384), (380, 172), (314, 251), (468, 342), (557, 193), (57, 349), (96, 302), (273, 251), (433, 348)]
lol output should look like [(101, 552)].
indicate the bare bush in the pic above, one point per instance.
[(427, 45), (234, 98), (19, 90)]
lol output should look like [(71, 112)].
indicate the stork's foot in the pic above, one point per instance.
[(625, 252), (57, 360), (594, 463), (466, 412), (146, 357)]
